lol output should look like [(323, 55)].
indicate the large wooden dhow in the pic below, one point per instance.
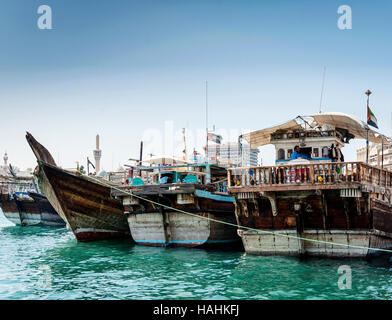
[(321, 206), (83, 202), (198, 192)]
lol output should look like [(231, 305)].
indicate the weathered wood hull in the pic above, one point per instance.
[(84, 204), (154, 225), (10, 209), (49, 216), (35, 210), (179, 230), (360, 222)]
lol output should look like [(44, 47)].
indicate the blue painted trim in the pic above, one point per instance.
[(187, 241), (209, 195), (33, 219), (312, 159)]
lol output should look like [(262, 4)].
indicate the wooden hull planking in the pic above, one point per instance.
[(85, 205), (27, 212), (360, 222), (157, 226)]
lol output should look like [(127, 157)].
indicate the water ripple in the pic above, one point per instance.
[(48, 263)]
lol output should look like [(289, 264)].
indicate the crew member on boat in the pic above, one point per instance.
[(297, 154)]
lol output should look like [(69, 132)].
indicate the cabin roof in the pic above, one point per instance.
[(339, 120), (165, 160)]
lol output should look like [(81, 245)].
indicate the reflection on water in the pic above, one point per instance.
[(48, 263)]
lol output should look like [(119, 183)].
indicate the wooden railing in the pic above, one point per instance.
[(311, 174)]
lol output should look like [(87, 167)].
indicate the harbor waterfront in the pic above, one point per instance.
[(49, 263)]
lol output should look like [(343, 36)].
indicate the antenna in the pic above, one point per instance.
[(322, 88), (185, 151)]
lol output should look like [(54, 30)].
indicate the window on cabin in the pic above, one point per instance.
[(306, 151), (289, 153), (281, 155), (325, 152), (315, 152)]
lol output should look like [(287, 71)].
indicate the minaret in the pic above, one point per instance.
[(97, 155), (5, 158)]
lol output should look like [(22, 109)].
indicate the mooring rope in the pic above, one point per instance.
[(243, 227)]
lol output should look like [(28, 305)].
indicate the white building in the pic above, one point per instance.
[(230, 154), (375, 155)]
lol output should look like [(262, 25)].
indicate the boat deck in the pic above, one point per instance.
[(321, 176)]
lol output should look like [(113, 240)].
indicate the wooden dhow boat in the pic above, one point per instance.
[(84, 203), (27, 208), (318, 205), (198, 191), (22, 202)]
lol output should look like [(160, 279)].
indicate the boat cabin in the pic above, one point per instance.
[(178, 174), (320, 139), (314, 144)]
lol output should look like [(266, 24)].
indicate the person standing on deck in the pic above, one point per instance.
[(297, 154)]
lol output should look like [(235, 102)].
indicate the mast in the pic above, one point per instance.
[(368, 93), (185, 152), (141, 153), (382, 152), (322, 88), (207, 121)]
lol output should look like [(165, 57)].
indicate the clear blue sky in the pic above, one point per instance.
[(118, 68)]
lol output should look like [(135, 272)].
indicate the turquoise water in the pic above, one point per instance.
[(48, 263)]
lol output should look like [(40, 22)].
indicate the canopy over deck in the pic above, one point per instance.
[(352, 126), (164, 160)]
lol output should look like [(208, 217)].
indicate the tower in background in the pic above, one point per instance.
[(97, 155), (5, 158)]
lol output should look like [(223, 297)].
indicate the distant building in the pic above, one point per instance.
[(9, 175), (230, 154), (375, 155)]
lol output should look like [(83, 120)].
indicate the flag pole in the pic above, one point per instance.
[(368, 93)]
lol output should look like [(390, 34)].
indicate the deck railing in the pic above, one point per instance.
[(310, 174)]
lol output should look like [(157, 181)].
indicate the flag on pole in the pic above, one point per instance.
[(214, 137), (371, 118), (89, 162)]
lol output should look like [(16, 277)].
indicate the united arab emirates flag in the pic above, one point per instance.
[(371, 118), (214, 137), (89, 162)]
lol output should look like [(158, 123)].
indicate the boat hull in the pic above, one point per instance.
[(326, 225), (176, 229), (85, 205), (281, 243), (29, 211), (154, 225), (10, 210), (48, 215)]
